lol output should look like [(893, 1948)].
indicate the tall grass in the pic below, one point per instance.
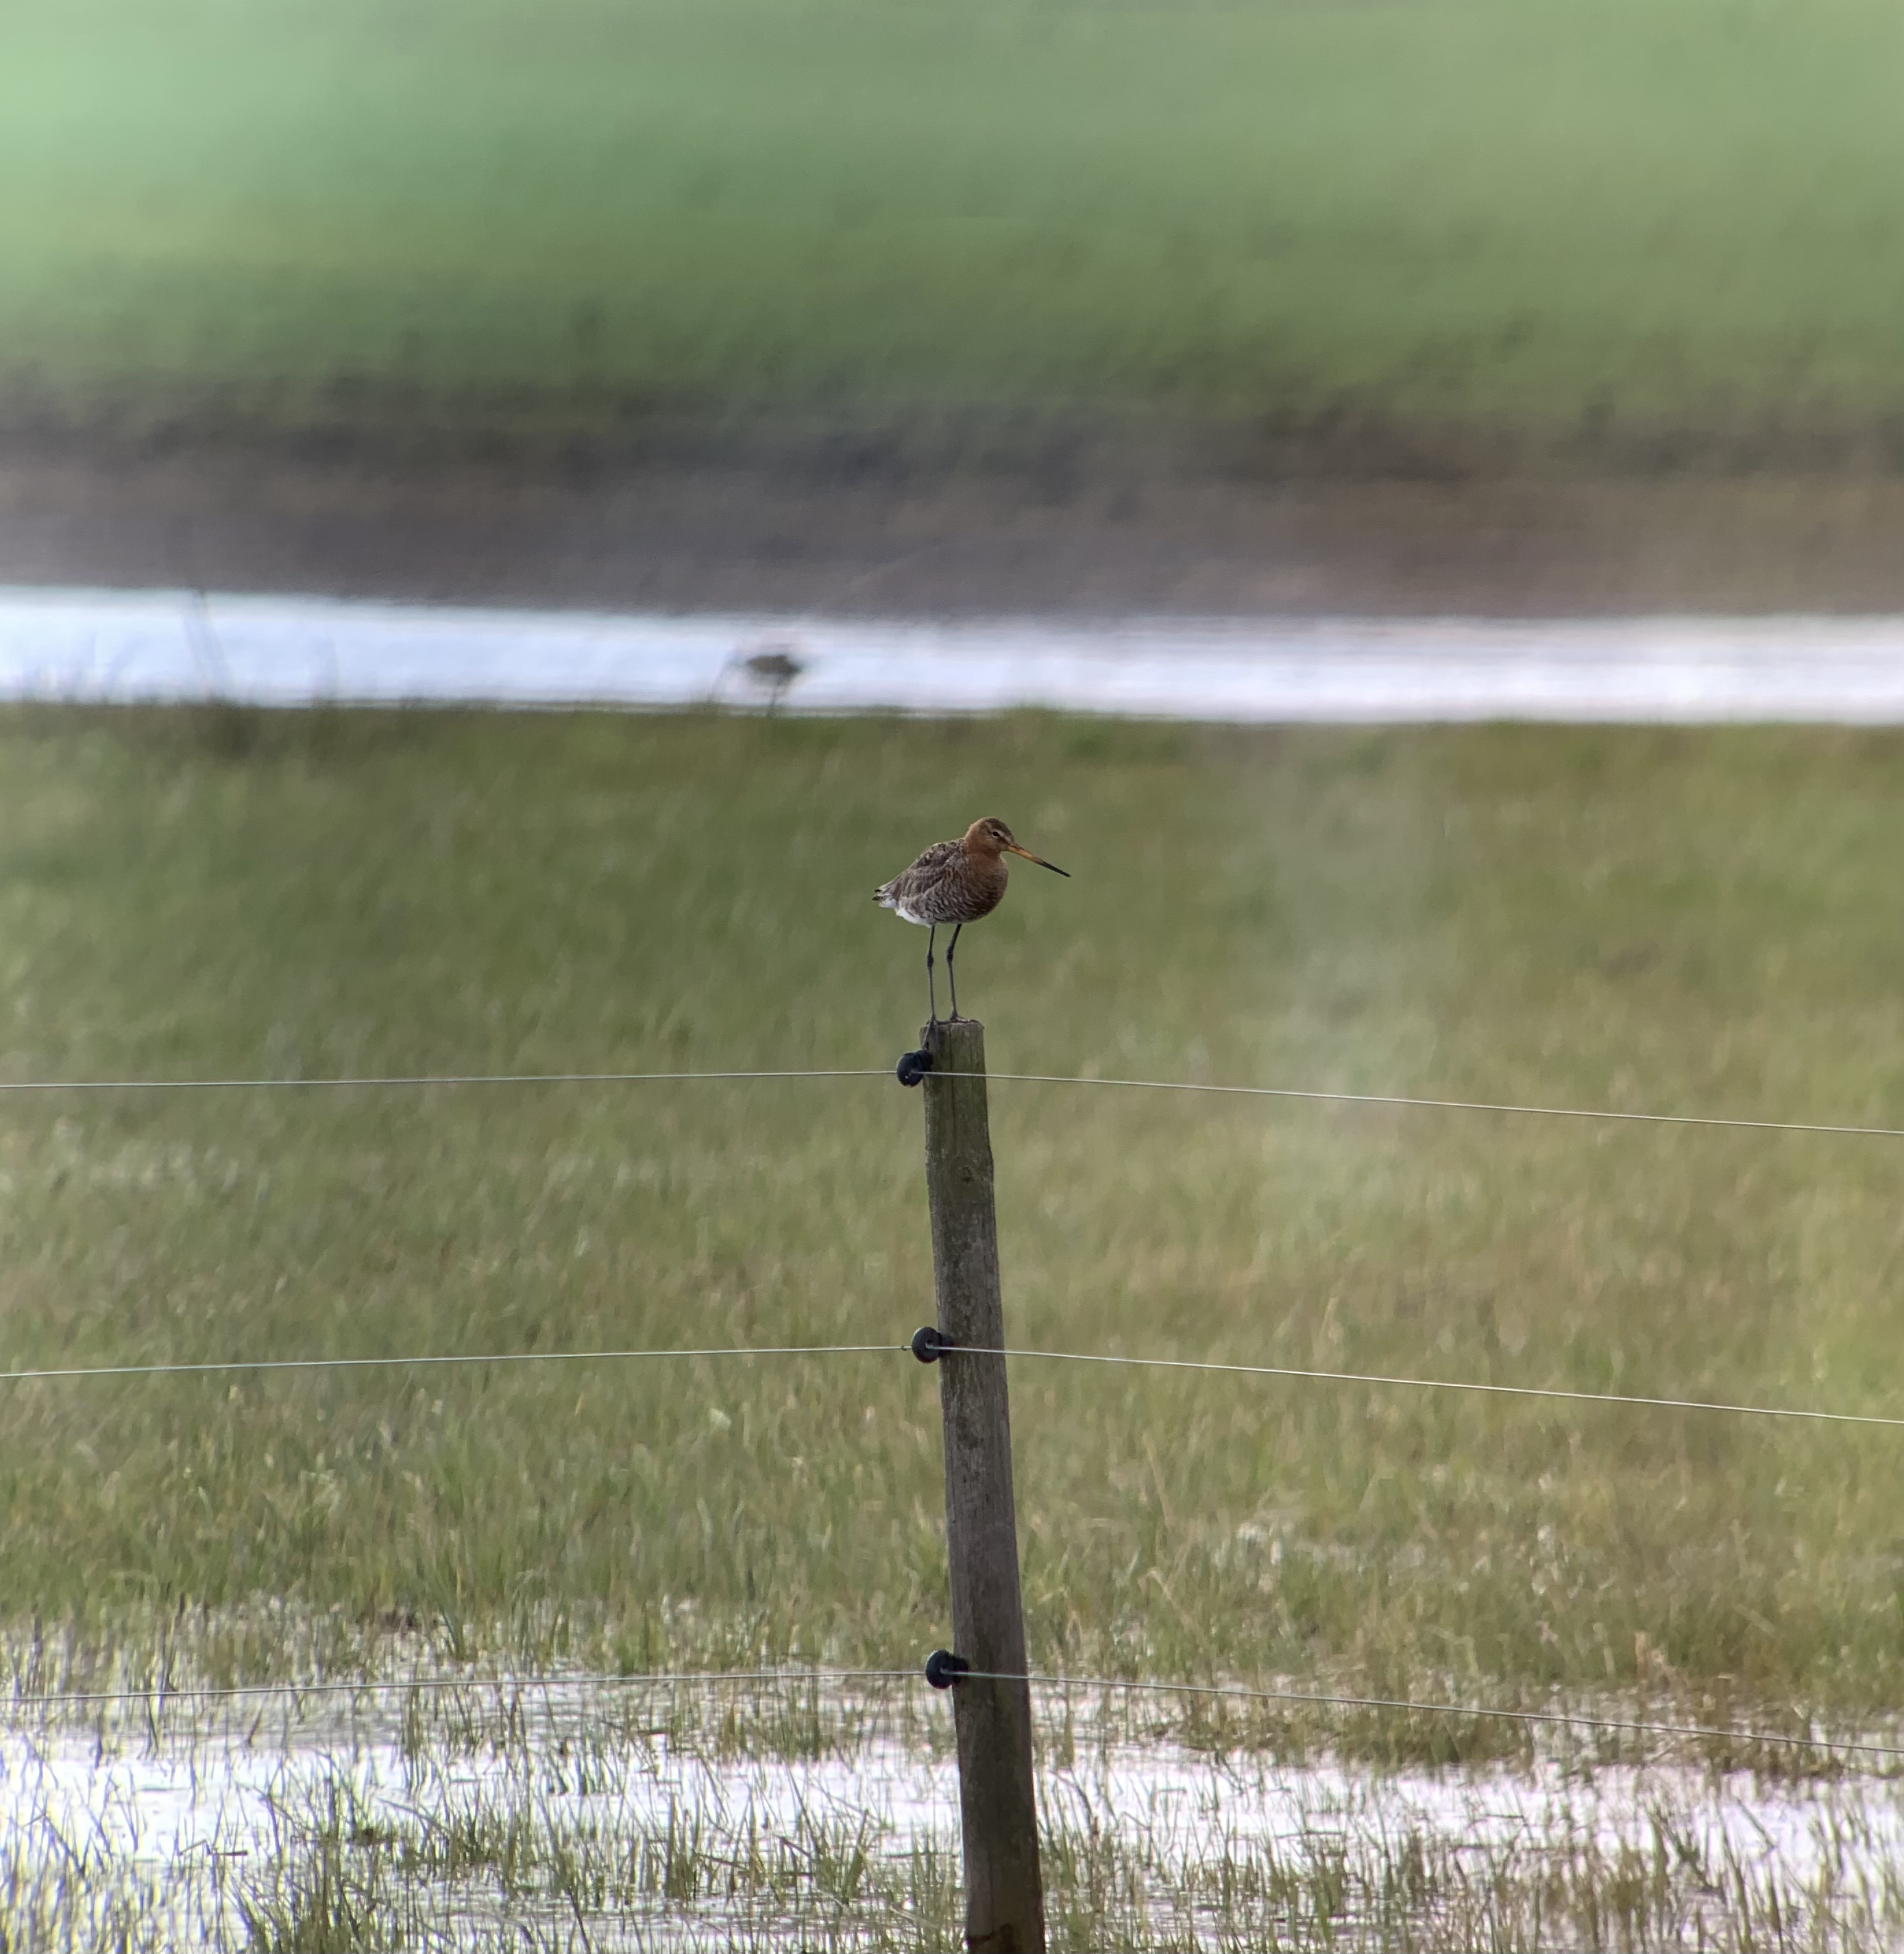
[(1634, 918)]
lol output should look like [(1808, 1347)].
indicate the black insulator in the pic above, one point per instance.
[(928, 1342), (912, 1066), (942, 1668)]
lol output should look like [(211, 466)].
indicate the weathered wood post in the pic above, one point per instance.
[(998, 1804)]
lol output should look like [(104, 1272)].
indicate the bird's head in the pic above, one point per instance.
[(991, 837)]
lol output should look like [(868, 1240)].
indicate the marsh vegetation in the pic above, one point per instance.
[(1677, 920), (779, 1815)]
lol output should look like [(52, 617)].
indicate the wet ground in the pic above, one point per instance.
[(211, 1825)]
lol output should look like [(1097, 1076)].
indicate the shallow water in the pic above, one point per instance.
[(201, 1820), (158, 645)]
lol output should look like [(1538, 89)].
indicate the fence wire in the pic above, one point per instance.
[(1841, 1131), (371, 1082), (1424, 1384), (1137, 1686), (238, 1365), (160, 1694), (248, 1364), (216, 1366), (419, 1079)]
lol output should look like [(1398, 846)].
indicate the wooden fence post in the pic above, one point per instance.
[(998, 1802)]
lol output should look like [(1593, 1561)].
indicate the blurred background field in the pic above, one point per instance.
[(868, 305), (1676, 921), (1537, 220)]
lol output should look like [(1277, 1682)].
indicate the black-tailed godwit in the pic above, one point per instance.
[(955, 882)]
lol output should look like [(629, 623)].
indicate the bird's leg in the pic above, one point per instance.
[(952, 974), (931, 995)]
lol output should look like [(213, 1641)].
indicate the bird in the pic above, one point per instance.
[(774, 669), (956, 881)]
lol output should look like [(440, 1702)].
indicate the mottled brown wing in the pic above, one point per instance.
[(931, 868)]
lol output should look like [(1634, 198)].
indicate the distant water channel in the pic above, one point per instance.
[(171, 646)]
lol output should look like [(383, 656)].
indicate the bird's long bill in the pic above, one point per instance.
[(1039, 859)]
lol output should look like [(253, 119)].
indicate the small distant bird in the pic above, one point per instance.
[(955, 882), (774, 669)]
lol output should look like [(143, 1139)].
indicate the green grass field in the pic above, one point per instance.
[(1529, 216), (1662, 919)]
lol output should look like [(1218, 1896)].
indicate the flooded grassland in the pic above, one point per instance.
[(583, 1815), (1644, 919)]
